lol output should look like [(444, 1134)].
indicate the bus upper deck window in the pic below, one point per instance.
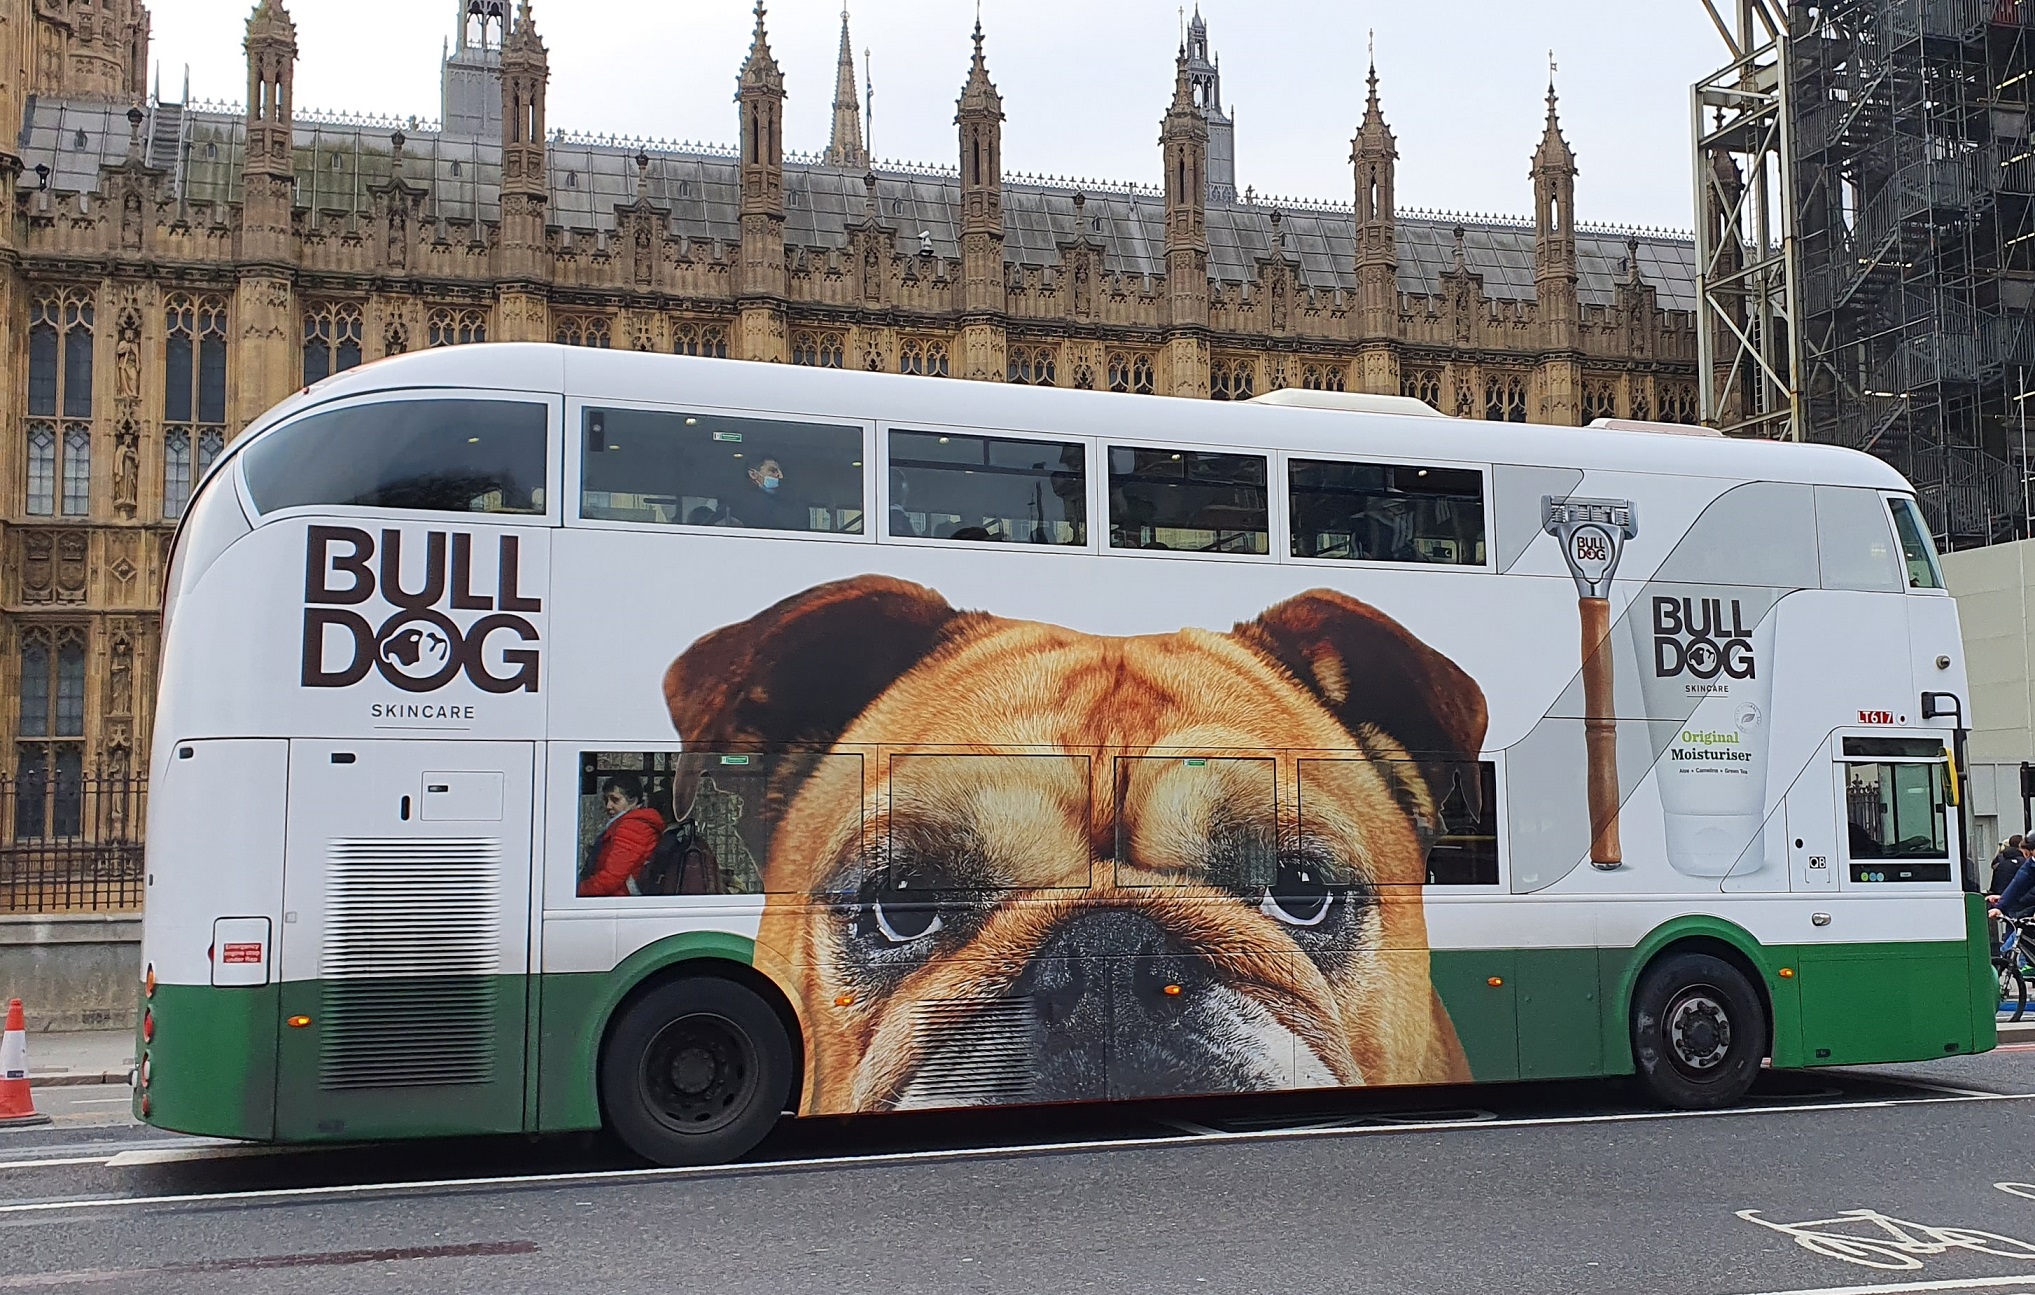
[(1916, 550), (460, 456), (1188, 500), (669, 467), (947, 486), (1387, 513)]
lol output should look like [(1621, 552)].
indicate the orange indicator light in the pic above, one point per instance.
[(1495, 981), (1787, 973), (1172, 991), (148, 981), (299, 1022), (844, 1000)]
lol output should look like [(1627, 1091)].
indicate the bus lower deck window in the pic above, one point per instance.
[(1188, 501), (697, 469), (1382, 512), (947, 486)]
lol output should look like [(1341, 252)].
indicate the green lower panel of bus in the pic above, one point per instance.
[(420, 1060)]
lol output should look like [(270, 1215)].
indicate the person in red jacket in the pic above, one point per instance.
[(628, 840)]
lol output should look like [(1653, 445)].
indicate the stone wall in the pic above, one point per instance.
[(72, 971)]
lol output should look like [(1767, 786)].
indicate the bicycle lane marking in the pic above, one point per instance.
[(1872, 1239), (2005, 1285)]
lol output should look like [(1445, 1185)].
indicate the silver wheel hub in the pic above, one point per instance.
[(1699, 1031)]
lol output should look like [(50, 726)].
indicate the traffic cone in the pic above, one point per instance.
[(17, 1102)]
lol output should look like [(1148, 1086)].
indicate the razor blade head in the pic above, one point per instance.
[(1614, 514), (1593, 534)]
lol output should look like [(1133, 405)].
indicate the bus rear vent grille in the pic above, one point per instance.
[(977, 1051), (412, 933)]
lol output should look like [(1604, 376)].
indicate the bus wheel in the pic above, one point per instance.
[(695, 1072), (1698, 1031)]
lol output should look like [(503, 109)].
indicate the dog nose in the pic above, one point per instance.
[(1110, 969)]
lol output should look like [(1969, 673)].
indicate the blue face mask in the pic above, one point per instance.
[(770, 484)]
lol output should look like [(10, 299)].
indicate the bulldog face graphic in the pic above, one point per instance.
[(1012, 862)]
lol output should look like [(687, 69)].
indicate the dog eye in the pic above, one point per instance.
[(903, 923), (1300, 897)]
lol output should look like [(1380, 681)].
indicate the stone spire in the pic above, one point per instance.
[(1554, 192), (979, 115), (526, 70), (761, 285), (1558, 377), (1204, 74), (526, 184), (844, 147), (271, 47), (266, 365), (1373, 153), (1183, 141)]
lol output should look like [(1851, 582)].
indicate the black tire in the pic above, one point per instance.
[(695, 1072), (2013, 987), (1699, 1031)]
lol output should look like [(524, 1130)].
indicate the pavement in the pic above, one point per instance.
[(80, 1057)]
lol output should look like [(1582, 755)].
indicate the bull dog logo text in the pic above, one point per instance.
[(418, 647), (1692, 636)]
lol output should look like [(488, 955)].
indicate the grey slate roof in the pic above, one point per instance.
[(340, 160)]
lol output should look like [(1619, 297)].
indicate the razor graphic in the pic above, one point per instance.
[(1593, 534)]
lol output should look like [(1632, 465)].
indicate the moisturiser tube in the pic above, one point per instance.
[(1706, 657)]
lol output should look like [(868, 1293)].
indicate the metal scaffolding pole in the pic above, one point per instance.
[(1748, 333)]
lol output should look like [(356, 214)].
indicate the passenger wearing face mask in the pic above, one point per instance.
[(768, 503)]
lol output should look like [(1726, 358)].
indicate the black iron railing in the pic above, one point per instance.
[(70, 841)]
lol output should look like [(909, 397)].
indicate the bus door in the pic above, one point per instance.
[(1810, 822), (405, 938)]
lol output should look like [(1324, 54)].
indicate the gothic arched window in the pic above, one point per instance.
[(60, 335), (1130, 371), (48, 757), (194, 393), (1033, 366), (1232, 378), (925, 357), (1600, 398), (1421, 384), (448, 327), (585, 330), (708, 340), (332, 342), (1505, 398), (42, 469), (818, 350)]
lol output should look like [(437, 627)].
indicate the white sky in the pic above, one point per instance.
[(1084, 82)]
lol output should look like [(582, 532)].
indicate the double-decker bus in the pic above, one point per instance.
[(551, 739)]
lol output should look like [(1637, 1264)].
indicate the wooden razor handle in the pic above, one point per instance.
[(1600, 731)]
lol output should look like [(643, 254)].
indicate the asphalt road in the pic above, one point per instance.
[(1564, 1189)]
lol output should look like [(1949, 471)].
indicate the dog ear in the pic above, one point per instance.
[(1368, 671), (795, 675)]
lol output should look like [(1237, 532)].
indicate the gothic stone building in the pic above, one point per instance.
[(171, 270)]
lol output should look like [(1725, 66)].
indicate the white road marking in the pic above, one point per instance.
[(181, 1155), (52, 1160), (1917, 1288), (620, 1176)]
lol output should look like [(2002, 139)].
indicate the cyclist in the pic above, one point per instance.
[(2006, 863), (2017, 899)]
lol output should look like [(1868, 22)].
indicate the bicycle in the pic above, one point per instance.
[(2014, 966)]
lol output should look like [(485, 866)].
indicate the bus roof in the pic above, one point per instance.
[(799, 391)]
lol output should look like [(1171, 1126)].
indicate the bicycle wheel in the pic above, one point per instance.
[(2013, 988)]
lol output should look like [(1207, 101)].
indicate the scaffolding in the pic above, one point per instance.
[(1903, 273)]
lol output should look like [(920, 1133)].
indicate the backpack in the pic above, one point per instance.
[(681, 864)]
